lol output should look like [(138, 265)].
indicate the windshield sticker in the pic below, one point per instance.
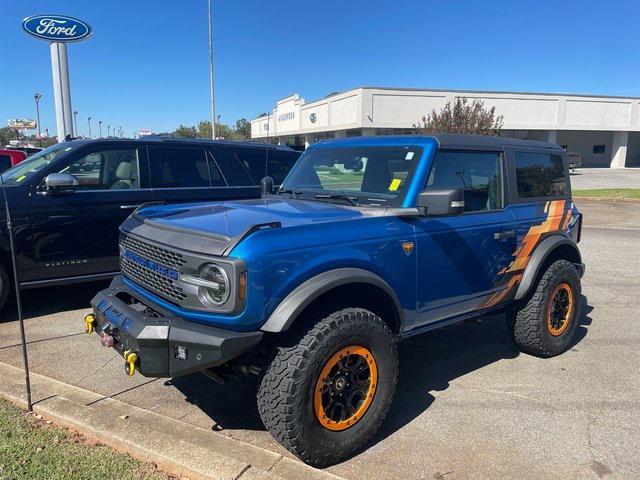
[(409, 156), (19, 179), (69, 148), (395, 183)]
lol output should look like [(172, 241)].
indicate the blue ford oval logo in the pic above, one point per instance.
[(56, 28)]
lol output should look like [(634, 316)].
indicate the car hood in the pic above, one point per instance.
[(215, 228)]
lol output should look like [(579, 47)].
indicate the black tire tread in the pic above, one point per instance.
[(280, 398), (527, 326)]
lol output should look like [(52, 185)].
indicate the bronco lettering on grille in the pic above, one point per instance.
[(151, 265)]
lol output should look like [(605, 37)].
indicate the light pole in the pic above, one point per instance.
[(37, 98), (213, 102), (75, 123), (100, 127), (120, 132), (89, 127), (108, 131), (218, 124)]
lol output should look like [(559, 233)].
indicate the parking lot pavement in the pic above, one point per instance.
[(468, 404), (590, 178)]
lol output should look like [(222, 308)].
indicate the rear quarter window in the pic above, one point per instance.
[(540, 175)]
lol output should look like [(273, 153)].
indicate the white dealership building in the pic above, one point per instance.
[(605, 130)]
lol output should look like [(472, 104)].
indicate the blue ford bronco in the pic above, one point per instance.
[(367, 242)]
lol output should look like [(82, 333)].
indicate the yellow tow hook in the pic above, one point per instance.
[(89, 323), (130, 366)]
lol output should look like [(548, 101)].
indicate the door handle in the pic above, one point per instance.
[(504, 235), (125, 207)]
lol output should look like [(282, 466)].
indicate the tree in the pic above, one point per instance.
[(243, 129), (204, 129), (183, 131), (463, 117)]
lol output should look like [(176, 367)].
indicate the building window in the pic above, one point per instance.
[(323, 136), (599, 148), (354, 132)]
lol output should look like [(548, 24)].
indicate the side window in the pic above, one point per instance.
[(253, 160), (540, 175), (234, 172), (179, 168), (5, 162), (279, 165), (106, 169), (478, 173)]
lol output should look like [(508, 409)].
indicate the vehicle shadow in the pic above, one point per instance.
[(45, 301), (428, 362)]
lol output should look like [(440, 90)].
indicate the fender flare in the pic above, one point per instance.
[(541, 253), (293, 304)]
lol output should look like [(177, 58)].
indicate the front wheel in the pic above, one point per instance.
[(545, 325), (328, 389)]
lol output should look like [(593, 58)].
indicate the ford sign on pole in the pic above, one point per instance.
[(59, 30), (56, 28)]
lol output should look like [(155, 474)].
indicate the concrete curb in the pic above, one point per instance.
[(584, 198), (173, 445)]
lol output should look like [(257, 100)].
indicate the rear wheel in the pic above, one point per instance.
[(328, 388), (545, 325)]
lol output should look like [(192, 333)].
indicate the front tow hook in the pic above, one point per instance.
[(106, 340), (89, 323), (130, 359)]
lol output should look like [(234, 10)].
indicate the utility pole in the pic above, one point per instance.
[(108, 131), (100, 127), (89, 127), (213, 102), (75, 123), (37, 98)]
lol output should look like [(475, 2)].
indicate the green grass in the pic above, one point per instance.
[(31, 449), (613, 193)]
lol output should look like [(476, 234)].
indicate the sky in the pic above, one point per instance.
[(147, 63)]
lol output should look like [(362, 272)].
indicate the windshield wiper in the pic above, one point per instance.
[(339, 196), (294, 193)]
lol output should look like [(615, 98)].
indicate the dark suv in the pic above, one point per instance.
[(68, 201), (369, 241)]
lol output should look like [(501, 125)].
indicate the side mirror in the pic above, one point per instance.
[(441, 201), (60, 183), (266, 185)]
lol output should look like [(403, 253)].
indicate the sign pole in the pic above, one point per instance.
[(61, 90), (213, 101), (25, 358)]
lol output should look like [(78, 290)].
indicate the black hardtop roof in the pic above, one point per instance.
[(181, 140), (452, 140)]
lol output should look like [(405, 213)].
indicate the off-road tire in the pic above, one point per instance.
[(5, 286), (528, 324), (286, 392)]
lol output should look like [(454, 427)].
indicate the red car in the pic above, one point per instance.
[(10, 158)]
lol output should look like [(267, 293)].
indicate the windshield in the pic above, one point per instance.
[(370, 176), (18, 174)]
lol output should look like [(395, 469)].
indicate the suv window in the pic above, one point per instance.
[(540, 175), (233, 170), (181, 168), (5, 162), (106, 169), (253, 161), (478, 173), (279, 165)]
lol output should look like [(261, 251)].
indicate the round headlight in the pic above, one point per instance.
[(217, 292)]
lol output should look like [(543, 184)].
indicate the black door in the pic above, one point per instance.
[(77, 233), (186, 173)]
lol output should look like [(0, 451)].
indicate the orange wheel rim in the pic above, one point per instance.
[(345, 388), (560, 309)]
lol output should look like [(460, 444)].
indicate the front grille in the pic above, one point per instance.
[(152, 280), (163, 256)]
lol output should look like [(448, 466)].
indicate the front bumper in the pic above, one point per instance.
[(165, 345)]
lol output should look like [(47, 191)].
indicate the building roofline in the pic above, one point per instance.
[(445, 90)]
